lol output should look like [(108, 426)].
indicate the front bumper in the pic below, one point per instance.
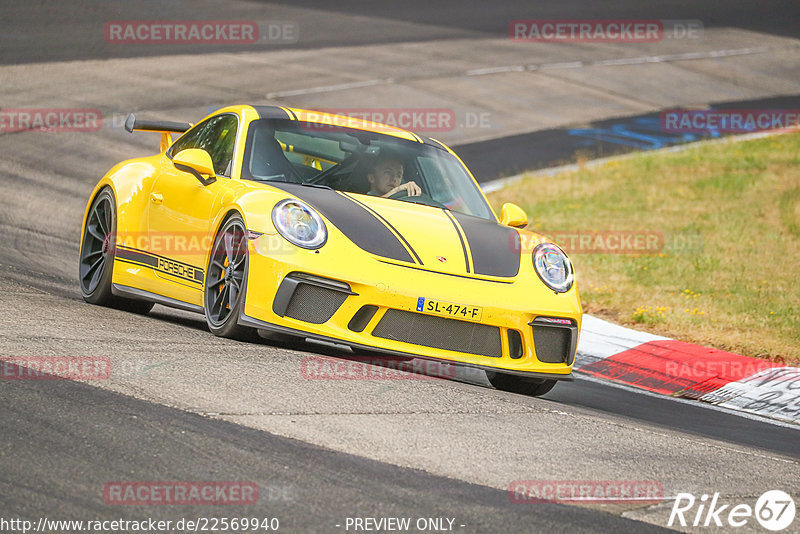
[(316, 294)]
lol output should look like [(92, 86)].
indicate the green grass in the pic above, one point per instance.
[(728, 274)]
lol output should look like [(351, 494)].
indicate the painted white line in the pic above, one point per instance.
[(493, 70), (687, 56), (717, 407), (623, 61), (740, 51), (330, 88), (533, 67), (781, 376), (771, 393), (562, 65), (478, 377)]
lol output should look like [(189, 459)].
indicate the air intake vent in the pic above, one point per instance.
[(514, 344), (362, 318), (309, 298), (440, 333), (314, 304), (554, 340)]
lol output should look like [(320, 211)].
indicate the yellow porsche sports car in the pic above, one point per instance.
[(332, 228)]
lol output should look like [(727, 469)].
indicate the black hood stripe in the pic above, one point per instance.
[(388, 224), (353, 220), (273, 112), (290, 113), (495, 248), (460, 237)]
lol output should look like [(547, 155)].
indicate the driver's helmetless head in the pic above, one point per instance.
[(385, 176)]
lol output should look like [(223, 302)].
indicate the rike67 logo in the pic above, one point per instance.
[(774, 510)]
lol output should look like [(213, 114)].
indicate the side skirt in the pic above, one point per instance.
[(140, 294)]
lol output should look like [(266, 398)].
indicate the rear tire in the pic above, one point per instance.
[(518, 384), (98, 248), (226, 280)]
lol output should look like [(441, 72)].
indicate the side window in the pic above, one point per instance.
[(217, 136)]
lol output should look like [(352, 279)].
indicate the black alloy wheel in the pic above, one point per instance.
[(98, 248), (226, 279)]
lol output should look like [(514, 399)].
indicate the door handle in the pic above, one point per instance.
[(156, 198)]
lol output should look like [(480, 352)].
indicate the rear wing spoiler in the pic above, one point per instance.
[(133, 124)]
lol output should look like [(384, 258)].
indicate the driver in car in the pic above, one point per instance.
[(385, 177)]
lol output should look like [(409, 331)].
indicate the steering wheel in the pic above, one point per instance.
[(418, 199), (340, 167)]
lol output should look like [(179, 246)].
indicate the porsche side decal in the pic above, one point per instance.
[(184, 271)]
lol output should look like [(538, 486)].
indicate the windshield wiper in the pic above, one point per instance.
[(280, 178), (318, 186)]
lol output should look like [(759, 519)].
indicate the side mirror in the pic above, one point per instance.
[(512, 215), (196, 162)]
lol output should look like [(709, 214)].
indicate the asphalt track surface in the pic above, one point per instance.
[(85, 437), (398, 450), (68, 30)]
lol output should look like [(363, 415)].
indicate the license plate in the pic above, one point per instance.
[(449, 309)]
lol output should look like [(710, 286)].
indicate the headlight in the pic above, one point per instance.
[(299, 224), (553, 267)]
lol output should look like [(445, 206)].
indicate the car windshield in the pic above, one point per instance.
[(360, 162)]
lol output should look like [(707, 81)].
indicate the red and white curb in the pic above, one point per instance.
[(669, 367)]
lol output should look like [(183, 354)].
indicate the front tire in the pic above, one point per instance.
[(518, 384), (226, 281), (98, 248)]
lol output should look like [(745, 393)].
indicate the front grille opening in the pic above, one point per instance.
[(514, 344), (314, 304), (440, 333), (552, 344), (362, 318)]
